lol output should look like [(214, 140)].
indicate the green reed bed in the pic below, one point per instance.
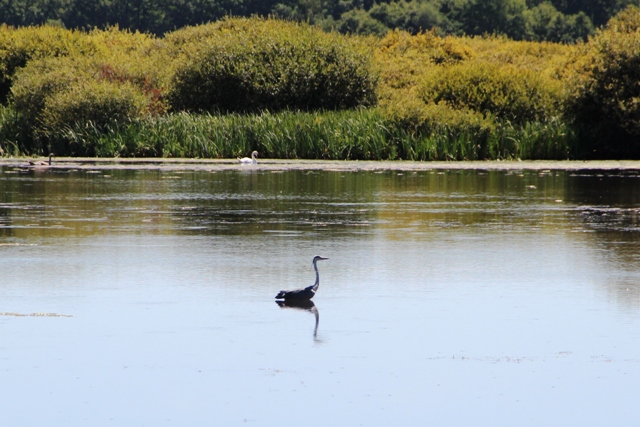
[(550, 140), (16, 137), (365, 134), (331, 135)]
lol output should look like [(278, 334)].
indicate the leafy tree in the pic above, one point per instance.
[(599, 11), (411, 16), (605, 105), (249, 65), (494, 16), (546, 23), (553, 20)]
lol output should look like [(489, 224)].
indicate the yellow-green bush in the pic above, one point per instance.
[(541, 56), (440, 97), (255, 64), (474, 97), (99, 102), (19, 45), (507, 92), (36, 83), (518, 81), (403, 59), (123, 78), (605, 102)]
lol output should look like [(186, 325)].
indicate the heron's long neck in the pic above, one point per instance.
[(317, 284)]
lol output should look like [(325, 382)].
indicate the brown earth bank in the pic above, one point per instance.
[(69, 163)]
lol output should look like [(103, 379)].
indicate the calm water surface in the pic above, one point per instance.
[(458, 298)]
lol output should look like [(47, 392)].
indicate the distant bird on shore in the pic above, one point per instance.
[(249, 160), (41, 163), (306, 293)]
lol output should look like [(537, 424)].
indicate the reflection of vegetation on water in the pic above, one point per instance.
[(416, 203), (82, 204), (325, 203), (597, 208), (608, 210)]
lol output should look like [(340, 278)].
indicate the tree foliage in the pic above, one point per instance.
[(552, 20), (106, 76), (425, 96), (606, 99), (243, 65)]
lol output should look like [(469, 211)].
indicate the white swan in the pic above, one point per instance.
[(249, 160)]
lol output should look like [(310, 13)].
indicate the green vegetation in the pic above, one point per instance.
[(535, 20), (250, 65), (365, 134), (119, 78), (290, 90), (605, 103), (18, 46)]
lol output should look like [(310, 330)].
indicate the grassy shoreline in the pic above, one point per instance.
[(362, 134), (291, 91)]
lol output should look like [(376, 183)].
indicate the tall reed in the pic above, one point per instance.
[(364, 134), (16, 136)]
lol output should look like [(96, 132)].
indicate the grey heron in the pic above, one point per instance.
[(249, 160), (306, 293)]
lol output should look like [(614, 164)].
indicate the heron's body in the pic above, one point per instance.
[(305, 293), (41, 163), (252, 160)]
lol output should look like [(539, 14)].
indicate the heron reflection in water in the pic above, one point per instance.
[(306, 305)]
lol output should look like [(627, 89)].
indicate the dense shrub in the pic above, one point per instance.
[(242, 65), (507, 92), (404, 59), (605, 104), (42, 78), (439, 97), (99, 102), (19, 45), (120, 80)]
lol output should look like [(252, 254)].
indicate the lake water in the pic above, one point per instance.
[(451, 297)]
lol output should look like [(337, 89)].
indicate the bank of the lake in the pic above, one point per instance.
[(292, 91), (276, 165)]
